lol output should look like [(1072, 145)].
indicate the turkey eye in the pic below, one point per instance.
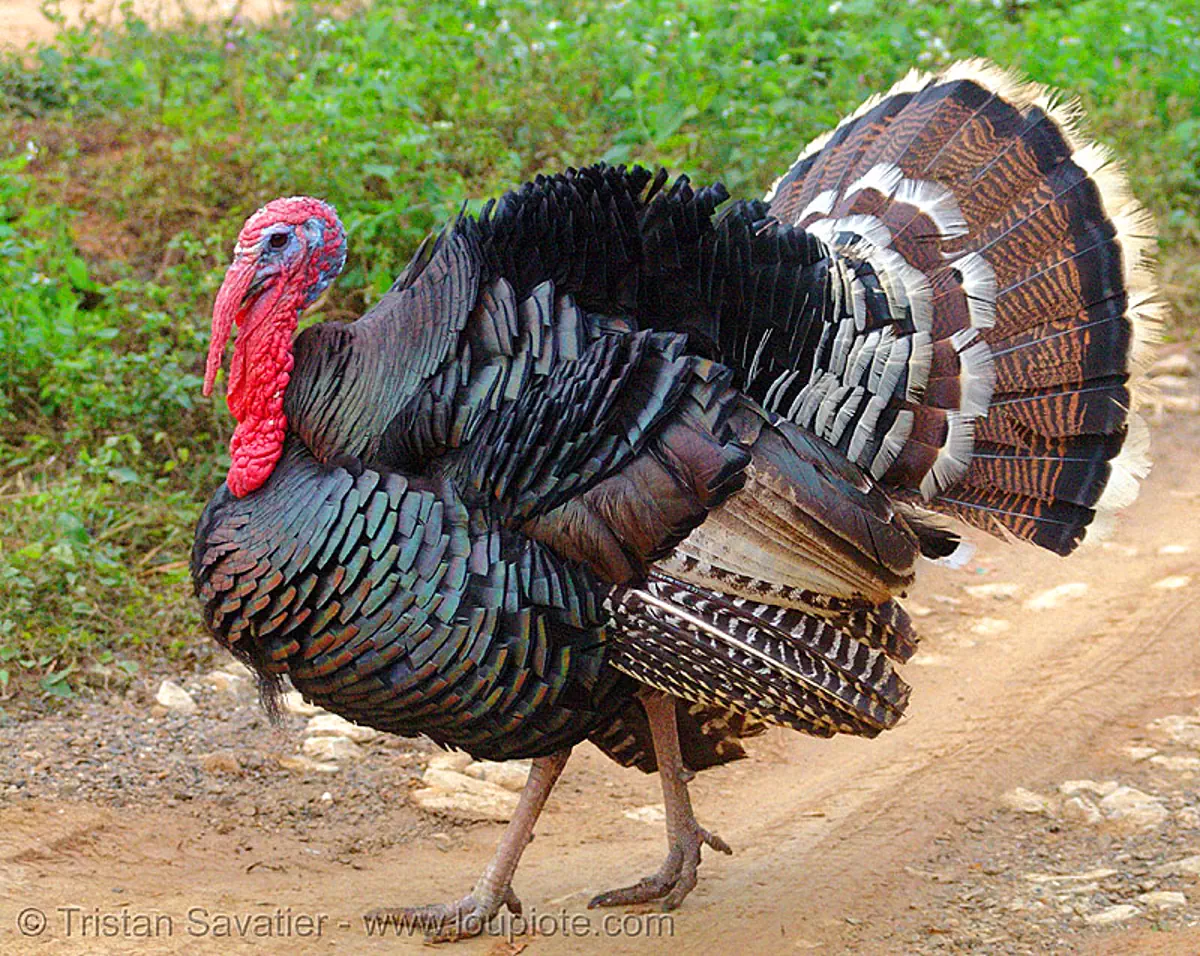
[(278, 240)]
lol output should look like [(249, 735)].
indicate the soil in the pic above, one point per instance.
[(22, 21)]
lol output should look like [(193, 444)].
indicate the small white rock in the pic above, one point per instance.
[(331, 748), (453, 780), (511, 774), (1174, 549), (1057, 596), (1163, 899), (1087, 876), (1188, 818), (1114, 914), (1173, 583), (990, 626), (1124, 550), (173, 697), (998, 590), (237, 669), (1077, 889), (294, 703), (1137, 754), (1081, 810), (1188, 866), (331, 725), (1176, 764), (450, 760), (448, 791), (917, 610), (1068, 788), (235, 685), (651, 813), (327, 797), (1133, 809), (1026, 801), (298, 763), (929, 660), (1183, 729), (499, 806)]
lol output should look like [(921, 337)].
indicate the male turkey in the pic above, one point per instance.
[(607, 464)]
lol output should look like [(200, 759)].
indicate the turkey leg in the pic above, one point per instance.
[(470, 915), (676, 878)]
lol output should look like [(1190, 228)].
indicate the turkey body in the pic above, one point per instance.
[(399, 658), (450, 551), (611, 438)]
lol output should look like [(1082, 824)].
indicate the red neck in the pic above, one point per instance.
[(258, 377)]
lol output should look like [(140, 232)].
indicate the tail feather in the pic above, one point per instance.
[(1052, 353), (777, 664), (1051, 472), (805, 520), (708, 735), (883, 625), (1053, 525), (1040, 301)]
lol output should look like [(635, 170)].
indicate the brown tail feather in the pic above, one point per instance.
[(1024, 256)]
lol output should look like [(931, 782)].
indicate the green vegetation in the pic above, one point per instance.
[(129, 157)]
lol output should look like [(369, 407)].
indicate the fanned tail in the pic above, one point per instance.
[(994, 302)]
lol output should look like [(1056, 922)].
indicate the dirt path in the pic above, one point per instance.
[(22, 21), (892, 845)]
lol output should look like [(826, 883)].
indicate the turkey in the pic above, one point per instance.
[(619, 461)]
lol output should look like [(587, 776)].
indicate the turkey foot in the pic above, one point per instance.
[(676, 878), (442, 922)]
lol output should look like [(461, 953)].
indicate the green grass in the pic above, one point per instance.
[(128, 159)]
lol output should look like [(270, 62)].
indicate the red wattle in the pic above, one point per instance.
[(258, 377), (254, 449)]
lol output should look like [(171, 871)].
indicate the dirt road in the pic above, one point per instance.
[(892, 845), (22, 21)]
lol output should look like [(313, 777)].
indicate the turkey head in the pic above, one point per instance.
[(287, 254)]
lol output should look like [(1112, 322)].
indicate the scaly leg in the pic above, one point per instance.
[(676, 878), (469, 916)]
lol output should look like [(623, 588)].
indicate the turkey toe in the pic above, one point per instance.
[(675, 879), (443, 922)]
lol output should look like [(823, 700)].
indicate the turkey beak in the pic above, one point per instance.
[(236, 292)]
